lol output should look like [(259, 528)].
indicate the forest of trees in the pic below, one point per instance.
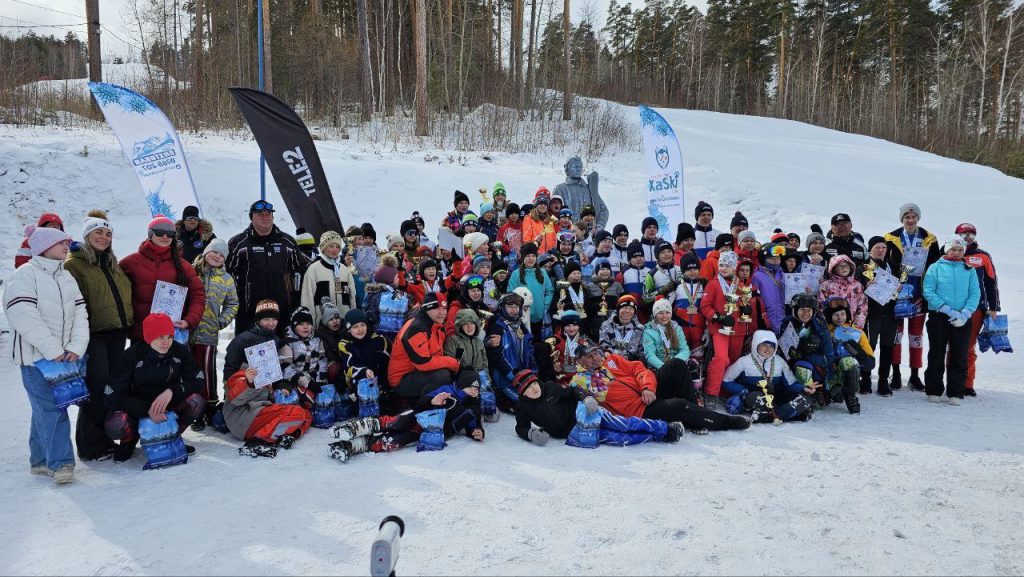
[(946, 77)]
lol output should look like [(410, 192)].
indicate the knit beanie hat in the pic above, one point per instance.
[(303, 238), (815, 236), (571, 267), (724, 240), (689, 261), (368, 230), (663, 246), (486, 207), (299, 316), (328, 311), (747, 234), (559, 198), (425, 264), (190, 212), (875, 240), (386, 273), (909, 208), (433, 301), (330, 237), (661, 305), (498, 265), (543, 196), (42, 238), (952, 242), (634, 249), (528, 248), (479, 261), (460, 197), (474, 241), (729, 259), (684, 231), (217, 245), (619, 229), (626, 300), (738, 220), (499, 190), (526, 208), (161, 222), (523, 380), (649, 221), (587, 210), (469, 217), (600, 236), (511, 209), (96, 220), (601, 262), (267, 309), (155, 326), (407, 226), (701, 208)]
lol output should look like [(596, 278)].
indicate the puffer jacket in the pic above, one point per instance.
[(618, 385), (303, 357), (750, 369), (469, 350), (192, 244), (543, 291), (370, 353), (419, 346), (106, 289), (656, 351), (221, 303), (320, 281), (953, 284), (515, 352), (624, 340), (845, 287), (554, 411), (142, 374), (46, 312), (146, 267), (768, 281)]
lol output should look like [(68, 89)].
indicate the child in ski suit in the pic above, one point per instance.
[(841, 283), (512, 350), (303, 358), (742, 379), (252, 416), (220, 311), (853, 354)]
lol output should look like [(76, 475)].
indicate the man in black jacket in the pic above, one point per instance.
[(842, 240), (266, 264), (152, 377)]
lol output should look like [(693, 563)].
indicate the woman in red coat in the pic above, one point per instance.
[(159, 259)]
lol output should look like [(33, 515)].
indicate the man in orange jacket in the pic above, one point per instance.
[(630, 389), (418, 364)]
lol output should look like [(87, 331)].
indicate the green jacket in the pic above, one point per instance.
[(468, 350), (221, 303), (105, 287)]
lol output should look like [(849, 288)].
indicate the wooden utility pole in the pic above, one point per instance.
[(364, 60), (92, 14), (420, 38), (567, 59), (197, 51), (268, 78)]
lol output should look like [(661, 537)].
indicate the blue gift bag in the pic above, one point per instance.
[(995, 335), (323, 407), (488, 404), (906, 307), (586, 433), (344, 408), (162, 443), (393, 306), (368, 393), (67, 381), (289, 398), (432, 423)]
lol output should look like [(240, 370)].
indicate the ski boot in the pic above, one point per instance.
[(286, 441), (354, 428), (915, 383), (674, 433), (896, 383), (344, 450), (865, 383), (883, 388), (258, 448)]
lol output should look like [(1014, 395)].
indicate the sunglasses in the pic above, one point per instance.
[(192, 218), (412, 233), (164, 233)]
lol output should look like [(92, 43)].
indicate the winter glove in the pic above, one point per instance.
[(725, 320), (591, 404), (668, 288), (794, 354), (538, 437), (957, 319), (946, 310), (856, 352), (746, 310)]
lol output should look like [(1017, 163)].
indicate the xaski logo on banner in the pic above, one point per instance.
[(154, 155), (664, 182), (661, 155)]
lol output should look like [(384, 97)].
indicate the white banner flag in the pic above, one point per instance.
[(664, 163), (150, 142)]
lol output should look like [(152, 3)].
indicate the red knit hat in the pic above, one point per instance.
[(161, 222), (524, 379), (155, 326)]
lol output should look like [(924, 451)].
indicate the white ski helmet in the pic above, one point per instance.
[(527, 296)]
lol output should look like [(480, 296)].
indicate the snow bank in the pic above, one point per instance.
[(134, 75), (905, 487)]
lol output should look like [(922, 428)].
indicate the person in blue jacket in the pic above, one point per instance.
[(952, 291), (790, 402), (815, 344), (509, 346), (663, 337), (537, 281)]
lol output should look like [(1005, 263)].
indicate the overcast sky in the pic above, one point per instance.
[(54, 17)]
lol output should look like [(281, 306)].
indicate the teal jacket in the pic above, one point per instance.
[(656, 353), (542, 291), (951, 283)]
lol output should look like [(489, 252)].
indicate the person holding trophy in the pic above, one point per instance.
[(720, 306)]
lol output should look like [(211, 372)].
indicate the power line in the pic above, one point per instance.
[(48, 8)]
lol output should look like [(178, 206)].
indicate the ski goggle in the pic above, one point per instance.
[(475, 281), (567, 237), (262, 205), (777, 250), (968, 236)]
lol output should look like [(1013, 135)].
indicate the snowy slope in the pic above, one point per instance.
[(134, 75), (903, 488)]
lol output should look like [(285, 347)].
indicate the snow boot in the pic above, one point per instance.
[(286, 441), (865, 383), (199, 424), (258, 448), (353, 428), (344, 450), (492, 418), (674, 433), (896, 383), (934, 399), (955, 401), (970, 393), (915, 383), (123, 452), (850, 382), (883, 388), (64, 475), (41, 470)]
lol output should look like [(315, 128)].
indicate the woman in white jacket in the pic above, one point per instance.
[(48, 319)]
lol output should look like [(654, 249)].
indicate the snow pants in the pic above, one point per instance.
[(726, 350), (623, 431), (276, 420), (977, 320), (105, 348), (916, 325), (881, 331), (941, 335)]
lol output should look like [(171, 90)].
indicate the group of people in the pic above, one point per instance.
[(539, 311)]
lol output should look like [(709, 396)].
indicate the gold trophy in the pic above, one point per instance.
[(555, 354), (563, 287), (483, 194), (905, 270), (869, 271), (745, 296), (769, 401), (603, 310), (730, 307)]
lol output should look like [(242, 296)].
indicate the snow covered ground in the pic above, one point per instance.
[(905, 487)]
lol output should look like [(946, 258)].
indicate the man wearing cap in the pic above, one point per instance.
[(576, 192), (418, 363), (918, 249), (842, 240), (704, 232), (194, 233), (988, 303), (266, 264)]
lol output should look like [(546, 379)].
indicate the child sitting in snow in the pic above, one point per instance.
[(853, 353), (252, 416), (742, 384), (303, 358)]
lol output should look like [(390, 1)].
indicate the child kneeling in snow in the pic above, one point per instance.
[(152, 378), (383, 434), (853, 354), (742, 385), (252, 416), (552, 408)]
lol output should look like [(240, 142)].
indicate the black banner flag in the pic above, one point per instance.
[(292, 158)]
